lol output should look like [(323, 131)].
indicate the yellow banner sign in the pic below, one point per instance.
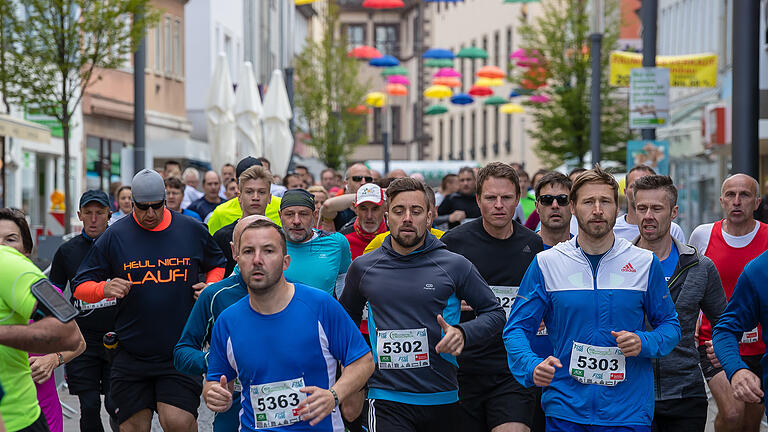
[(692, 70)]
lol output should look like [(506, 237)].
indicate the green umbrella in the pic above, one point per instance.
[(394, 70), (495, 100), (435, 110), (438, 63), (472, 53), (521, 1)]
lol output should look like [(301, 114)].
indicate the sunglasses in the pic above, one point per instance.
[(155, 206), (368, 179), (547, 200)]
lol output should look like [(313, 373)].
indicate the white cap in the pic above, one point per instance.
[(369, 192)]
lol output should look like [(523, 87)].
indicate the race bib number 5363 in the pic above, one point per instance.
[(597, 365), (402, 349), (276, 404)]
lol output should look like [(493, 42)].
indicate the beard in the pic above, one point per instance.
[(408, 243), (299, 237), (596, 232), (267, 284)]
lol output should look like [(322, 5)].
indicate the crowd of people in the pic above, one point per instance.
[(500, 302)]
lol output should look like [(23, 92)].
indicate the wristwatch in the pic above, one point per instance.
[(61, 358)]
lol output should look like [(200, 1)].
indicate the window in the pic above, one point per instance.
[(158, 66), (485, 47), (416, 35), (508, 52), (473, 136), (441, 138), (496, 48), (396, 122), (355, 35), (461, 67), (450, 139), (377, 126), (461, 137), (102, 162), (496, 131), (484, 147), (177, 51), (386, 39), (168, 57), (508, 142), (472, 66)]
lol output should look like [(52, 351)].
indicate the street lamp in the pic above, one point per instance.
[(596, 52)]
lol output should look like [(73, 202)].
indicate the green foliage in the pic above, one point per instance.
[(326, 88), (561, 35)]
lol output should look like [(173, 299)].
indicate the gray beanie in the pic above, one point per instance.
[(147, 186)]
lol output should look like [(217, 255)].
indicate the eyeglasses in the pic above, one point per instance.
[(368, 179), (547, 200), (155, 206)]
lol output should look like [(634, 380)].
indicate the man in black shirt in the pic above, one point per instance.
[(501, 249), (461, 207), (88, 374)]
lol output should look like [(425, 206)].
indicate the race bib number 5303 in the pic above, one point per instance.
[(276, 404), (597, 365), (402, 349)]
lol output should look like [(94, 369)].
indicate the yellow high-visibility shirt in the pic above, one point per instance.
[(230, 211), (376, 242)]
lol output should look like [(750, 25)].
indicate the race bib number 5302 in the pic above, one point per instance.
[(276, 404), (597, 365), (402, 349)]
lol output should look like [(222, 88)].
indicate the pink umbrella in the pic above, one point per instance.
[(539, 99), (398, 79), (518, 54), (447, 73)]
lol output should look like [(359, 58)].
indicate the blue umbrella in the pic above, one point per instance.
[(462, 99), (384, 61), (443, 1), (514, 94), (438, 53)]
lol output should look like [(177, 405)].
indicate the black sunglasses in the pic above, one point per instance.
[(547, 200), (156, 206), (368, 179)]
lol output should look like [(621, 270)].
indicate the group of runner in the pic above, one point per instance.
[(592, 321)]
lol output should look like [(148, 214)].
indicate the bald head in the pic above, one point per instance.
[(240, 226), (357, 175), (211, 185), (739, 198), (741, 178)]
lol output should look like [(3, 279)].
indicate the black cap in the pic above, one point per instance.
[(297, 197), (245, 164), (94, 195)]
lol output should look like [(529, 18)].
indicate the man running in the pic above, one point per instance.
[(694, 284), (174, 193), (151, 261), (210, 199), (369, 209), (552, 206), (594, 293), (88, 374), (501, 249), (461, 206), (333, 219), (319, 259), (414, 287), (294, 389), (626, 226), (731, 243)]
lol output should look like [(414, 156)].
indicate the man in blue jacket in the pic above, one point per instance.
[(593, 293)]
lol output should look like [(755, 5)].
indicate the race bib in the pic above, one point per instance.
[(83, 306), (597, 365), (402, 349), (238, 386), (276, 404), (505, 295), (542, 332), (749, 337)]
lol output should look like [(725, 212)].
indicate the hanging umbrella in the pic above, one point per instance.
[(394, 70), (277, 134), (480, 91), (518, 54), (462, 99), (448, 72), (438, 63), (491, 72), (383, 4), (446, 81), (435, 110), (366, 52), (359, 110), (514, 93), (220, 119), (303, 2), (472, 53), (396, 90), (438, 53), (521, 1), (398, 79), (248, 112), (539, 99), (521, 92), (376, 99), (384, 61), (511, 108), (443, 1), (489, 82), (437, 92), (495, 100)]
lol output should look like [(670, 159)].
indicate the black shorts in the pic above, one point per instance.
[(138, 385), (709, 370), (680, 415), (89, 371), (388, 416), (488, 401), (39, 425)]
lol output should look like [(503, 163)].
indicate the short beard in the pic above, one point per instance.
[(264, 287), (409, 244), (594, 234), (307, 235)]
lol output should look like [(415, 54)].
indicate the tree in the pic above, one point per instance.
[(61, 45), (327, 91), (559, 40)]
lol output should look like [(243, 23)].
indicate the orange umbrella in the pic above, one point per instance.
[(397, 90), (364, 52), (491, 72), (447, 81), (359, 110)]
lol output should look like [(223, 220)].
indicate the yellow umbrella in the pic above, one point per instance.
[(376, 99), (303, 2), (511, 108), (438, 92), (489, 82)]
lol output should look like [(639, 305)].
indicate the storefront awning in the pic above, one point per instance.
[(22, 129)]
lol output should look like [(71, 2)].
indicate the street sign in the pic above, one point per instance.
[(648, 98), (654, 154)]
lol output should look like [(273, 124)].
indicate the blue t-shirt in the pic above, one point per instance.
[(669, 264), (304, 340), (320, 261)]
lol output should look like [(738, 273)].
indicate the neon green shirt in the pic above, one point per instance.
[(528, 202), (230, 211), (19, 406)]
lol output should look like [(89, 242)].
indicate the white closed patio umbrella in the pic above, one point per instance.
[(219, 115), (278, 141), (248, 112)]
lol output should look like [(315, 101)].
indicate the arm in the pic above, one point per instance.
[(713, 303), (217, 390), (45, 336), (344, 263), (188, 356), (58, 274), (490, 315), (661, 313), (351, 298), (332, 206), (741, 314), (42, 366)]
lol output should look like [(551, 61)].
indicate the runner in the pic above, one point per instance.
[(552, 206), (151, 262), (731, 243), (461, 206), (124, 204), (501, 249), (191, 178), (174, 193), (210, 199), (694, 284), (626, 226), (228, 173), (254, 199), (414, 287), (88, 374), (594, 293), (320, 259), (298, 392), (333, 219), (369, 208)]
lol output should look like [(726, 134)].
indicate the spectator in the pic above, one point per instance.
[(227, 174)]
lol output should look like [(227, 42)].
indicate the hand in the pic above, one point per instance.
[(457, 216), (117, 287), (318, 404), (628, 342), (218, 397), (453, 341), (542, 326), (746, 386), (545, 371), (465, 307), (42, 367), (199, 287), (711, 354)]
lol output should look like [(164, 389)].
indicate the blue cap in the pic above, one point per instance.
[(94, 196)]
